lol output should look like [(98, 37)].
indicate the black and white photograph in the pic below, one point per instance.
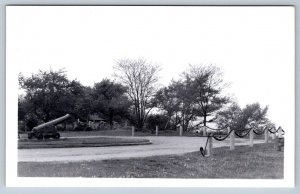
[(196, 96)]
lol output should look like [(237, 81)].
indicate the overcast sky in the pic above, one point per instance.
[(254, 46)]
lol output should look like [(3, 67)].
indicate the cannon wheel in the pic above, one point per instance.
[(56, 136), (29, 135), (39, 136)]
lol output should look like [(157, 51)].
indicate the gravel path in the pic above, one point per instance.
[(161, 145)]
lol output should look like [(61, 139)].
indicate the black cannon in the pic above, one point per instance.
[(47, 130)]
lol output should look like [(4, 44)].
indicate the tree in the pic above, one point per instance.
[(177, 101), (241, 119), (254, 116), (22, 107), (168, 100), (27, 120), (158, 120), (84, 104), (196, 94), (50, 94), (110, 100), (206, 85), (140, 78), (186, 96), (232, 117)]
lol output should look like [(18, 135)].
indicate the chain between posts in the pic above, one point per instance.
[(269, 129), (217, 129), (203, 150), (241, 136), (215, 136)]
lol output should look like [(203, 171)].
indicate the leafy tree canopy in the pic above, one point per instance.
[(49, 94)]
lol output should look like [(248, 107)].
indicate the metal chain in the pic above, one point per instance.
[(258, 133), (270, 130), (241, 136), (216, 129), (203, 150), (222, 139)]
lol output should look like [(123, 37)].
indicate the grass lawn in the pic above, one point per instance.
[(261, 161), (80, 142)]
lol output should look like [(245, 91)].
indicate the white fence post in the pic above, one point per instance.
[(209, 147), (279, 140), (232, 140), (251, 138), (266, 135), (156, 130), (180, 130), (204, 131), (132, 131), (280, 133), (273, 136)]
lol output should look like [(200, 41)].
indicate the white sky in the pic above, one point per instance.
[(254, 46)]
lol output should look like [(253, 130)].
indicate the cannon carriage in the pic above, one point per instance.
[(47, 130)]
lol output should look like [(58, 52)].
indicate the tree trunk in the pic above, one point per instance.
[(204, 123), (111, 119)]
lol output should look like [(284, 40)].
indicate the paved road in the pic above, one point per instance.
[(160, 146)]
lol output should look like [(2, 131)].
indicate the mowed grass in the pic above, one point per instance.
[(260, 162), (80, 142)]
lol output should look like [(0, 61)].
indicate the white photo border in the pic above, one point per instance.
[(12, 180)]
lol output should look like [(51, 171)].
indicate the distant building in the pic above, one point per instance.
[(94, 121)]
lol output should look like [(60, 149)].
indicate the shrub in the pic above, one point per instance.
[(157, 119)]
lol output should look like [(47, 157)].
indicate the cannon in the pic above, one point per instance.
[(47, 130)]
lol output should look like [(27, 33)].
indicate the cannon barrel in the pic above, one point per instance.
[(53, 122)]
